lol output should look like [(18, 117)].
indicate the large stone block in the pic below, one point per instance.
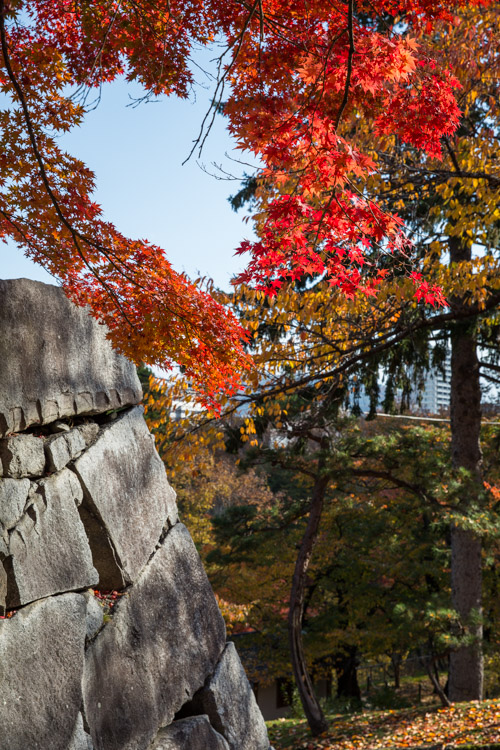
[(48, 548), (22, 456), (41, 665), (165, 638), (195, 733), (55, 360), (63, 448), (127, 498), (230, 704)]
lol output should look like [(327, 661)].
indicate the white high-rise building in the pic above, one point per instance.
[(432, 398), (435, 396)]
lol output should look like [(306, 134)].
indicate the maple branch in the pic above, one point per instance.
[(490, 378), (349, 63), (322, 73), (381, 19), (278, 387), (426, 324), (98, 57), (144, 18), (277, 27), (221, 82), (34, 144), (401, 483), (343, 105), (10, 220), (75, 234), (480, 175), (490, 366), (121, 265), (261, 34)]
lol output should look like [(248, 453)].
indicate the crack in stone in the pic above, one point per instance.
[(98, 536)]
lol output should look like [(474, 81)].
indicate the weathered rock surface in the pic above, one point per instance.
[(95, 615), (195, 733), (80, 739), (63, 448), (13, 496), (89, 432), (22, 456), (57, 452), (48, 548), (164, 640), (55, 360), (230, 704), (3, 582), (41, 665), (127, 499)]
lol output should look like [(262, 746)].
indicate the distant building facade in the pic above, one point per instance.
[(431, 396), (434, 398)]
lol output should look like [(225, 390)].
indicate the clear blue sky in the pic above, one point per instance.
[(137, 154)]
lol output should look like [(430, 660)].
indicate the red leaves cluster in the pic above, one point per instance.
[(286, 252), (107, 599), (147, 41), (325, 222), (418, 115), (431, 294)]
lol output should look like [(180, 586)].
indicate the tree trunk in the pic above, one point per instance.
[(433, 674), (466, 663), (347, 676), (312, 709), (396, 666)]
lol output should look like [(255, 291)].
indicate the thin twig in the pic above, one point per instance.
[(349, 63)]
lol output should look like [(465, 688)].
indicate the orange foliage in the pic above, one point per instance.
[(461, 724)]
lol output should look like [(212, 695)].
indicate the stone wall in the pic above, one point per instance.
[(85, 506)]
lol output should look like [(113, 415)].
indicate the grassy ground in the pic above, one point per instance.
[(466, 725)]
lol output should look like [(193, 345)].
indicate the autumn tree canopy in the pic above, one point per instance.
[(449, 203), (288, 74)]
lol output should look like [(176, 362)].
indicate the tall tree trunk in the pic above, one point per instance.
[(466, 663), (312, 709)]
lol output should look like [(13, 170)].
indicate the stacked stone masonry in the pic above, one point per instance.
[(85, 507)]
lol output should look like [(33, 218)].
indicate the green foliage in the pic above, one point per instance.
[(246, 194), (386, 697)]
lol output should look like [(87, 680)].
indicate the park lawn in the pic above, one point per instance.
[(463, 725)]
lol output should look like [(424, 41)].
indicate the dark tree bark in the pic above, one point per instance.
[(433, 674), (314, 714), (396, 666), (466, 663), (346, 663)]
